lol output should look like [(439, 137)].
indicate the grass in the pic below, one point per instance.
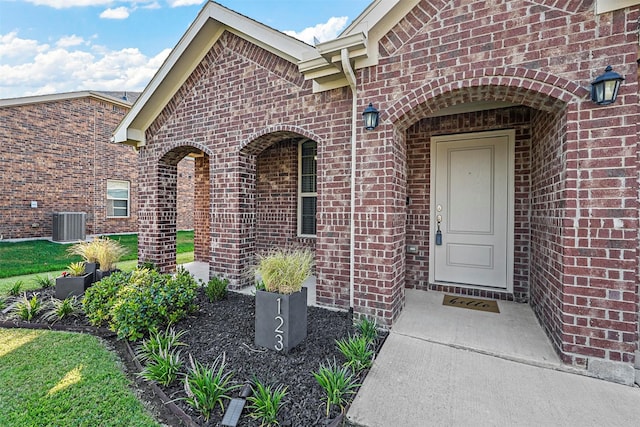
[(41, 256), (52, 378), (30, 283)]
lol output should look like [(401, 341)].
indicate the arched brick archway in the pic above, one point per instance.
[(543, 109), (269, 199), (158, 204)]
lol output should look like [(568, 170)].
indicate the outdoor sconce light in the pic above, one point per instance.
[(604, 89), (370, 117)]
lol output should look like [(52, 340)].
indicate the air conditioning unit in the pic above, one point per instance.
[(69, 226)]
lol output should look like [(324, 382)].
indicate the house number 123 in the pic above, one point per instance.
[(279, 344)]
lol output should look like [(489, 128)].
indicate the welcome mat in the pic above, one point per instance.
[(471, 303)]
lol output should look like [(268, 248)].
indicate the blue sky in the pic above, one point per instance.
[(53, 46)]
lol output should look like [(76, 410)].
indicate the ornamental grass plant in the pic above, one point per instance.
[(284, 271)]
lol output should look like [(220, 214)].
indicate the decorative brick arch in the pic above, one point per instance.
[(258, 141), (176, 151), (535, 89)]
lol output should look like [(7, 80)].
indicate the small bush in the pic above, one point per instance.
[(59, 309), (44, 282), (148, 265), (100, 298), (76, 268), (16, 288), (208, 387), (162, 359), (216, 289), (158, 341), (265, 403), (27, 308), (337, 382), (151, 300), (357, 351), (162, 367), (368, 329), (284, 270)]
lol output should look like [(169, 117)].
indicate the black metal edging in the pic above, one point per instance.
[(175, 409)]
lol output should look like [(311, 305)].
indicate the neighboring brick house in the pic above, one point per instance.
[(487, 134), (56, 155)]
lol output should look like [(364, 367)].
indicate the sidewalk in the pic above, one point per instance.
[(440, 367)]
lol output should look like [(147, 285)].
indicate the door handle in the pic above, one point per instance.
[(438, 232)]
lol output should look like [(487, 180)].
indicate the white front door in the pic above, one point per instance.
[(472, 206)]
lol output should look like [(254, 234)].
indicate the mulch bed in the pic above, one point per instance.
[(227, 327)]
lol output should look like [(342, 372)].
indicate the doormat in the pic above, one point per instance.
[(471, 303)]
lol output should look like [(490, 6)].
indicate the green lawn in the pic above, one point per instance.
[(29, 282), (63, 379), (40, 256)]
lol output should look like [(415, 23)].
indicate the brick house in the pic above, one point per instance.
[(56, 156), (487, 134)]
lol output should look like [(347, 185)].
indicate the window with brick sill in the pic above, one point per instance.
[(117, 199), (307, 190)]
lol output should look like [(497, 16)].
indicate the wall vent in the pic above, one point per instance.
[(69, 226)]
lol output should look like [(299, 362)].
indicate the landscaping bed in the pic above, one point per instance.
[(227, 326)]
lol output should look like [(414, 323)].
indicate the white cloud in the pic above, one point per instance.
[(11, 46), (69, 41), (178, 3), (55, 69), (117, 13), (64, 4), (322, 32)]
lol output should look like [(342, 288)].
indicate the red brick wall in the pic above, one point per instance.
[(59, 154), (583, 262), (419, 181), (186, 180)]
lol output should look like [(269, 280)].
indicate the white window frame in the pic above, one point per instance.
[(128, 199), (301, 194)]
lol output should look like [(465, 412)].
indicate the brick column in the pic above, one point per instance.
[(157, 192), (380, 217), (202, 210), (233, 219)]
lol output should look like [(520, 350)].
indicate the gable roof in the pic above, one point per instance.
[(123, 99), (212, 21)]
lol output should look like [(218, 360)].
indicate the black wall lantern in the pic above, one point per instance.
[(370, 117), (604, 89)]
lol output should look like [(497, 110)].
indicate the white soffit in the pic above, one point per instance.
[(203, 33), (604, 6)]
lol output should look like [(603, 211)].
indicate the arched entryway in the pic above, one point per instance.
[(281, 190), (452, 135), (159, 210)]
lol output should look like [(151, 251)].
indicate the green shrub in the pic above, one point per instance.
[(44, 282), (208, 387), (100, 298), (59, 309), (216, 289), (357, 351), (265, 403), (158, 341), (16, 288), (162, 367), (151, 300), (337, 382), (368, 329), (27, 308)]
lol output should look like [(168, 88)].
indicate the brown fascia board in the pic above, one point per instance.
[(54, 97)]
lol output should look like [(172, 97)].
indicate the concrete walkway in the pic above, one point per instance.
[(449, 366)]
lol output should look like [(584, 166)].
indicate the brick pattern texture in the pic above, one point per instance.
[(576, 206), (59, 155)]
